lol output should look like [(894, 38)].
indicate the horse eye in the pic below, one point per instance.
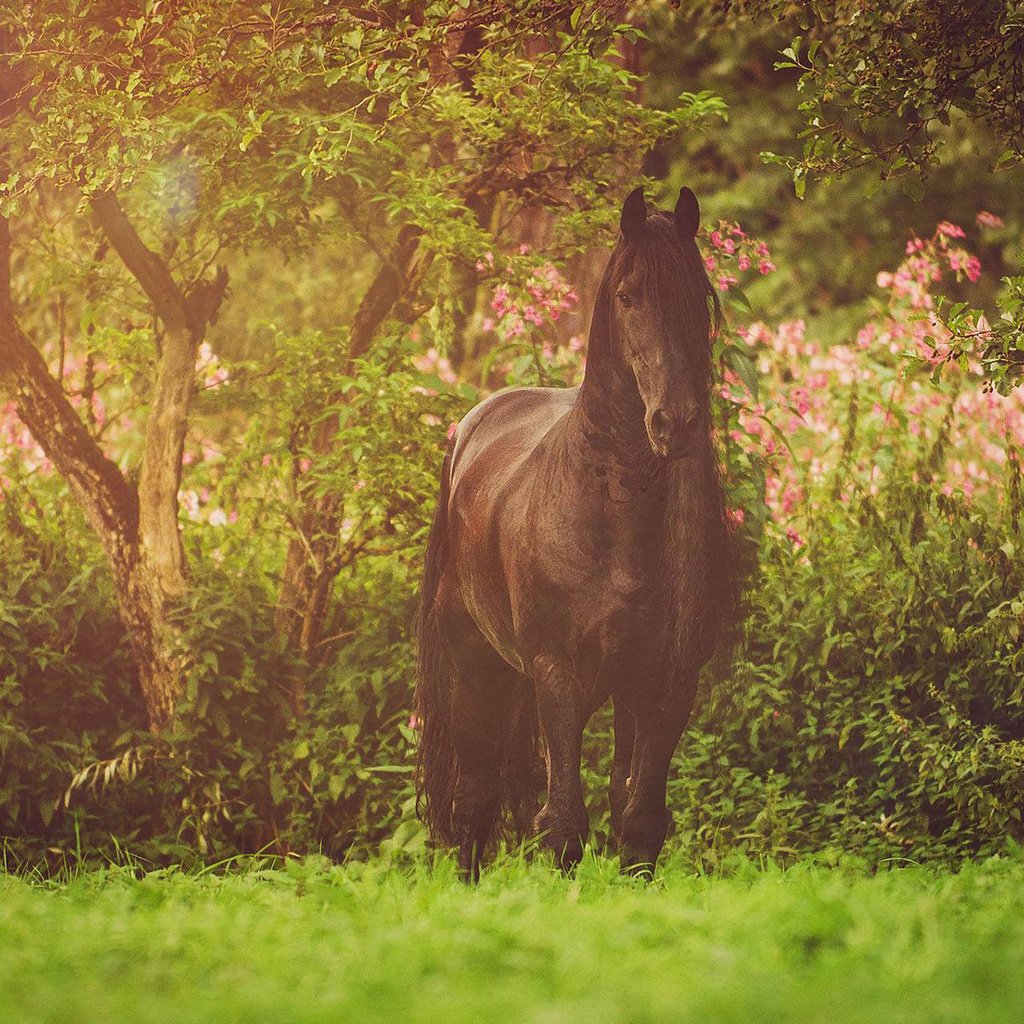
[(626, 301)]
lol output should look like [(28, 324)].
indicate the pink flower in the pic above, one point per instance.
[(765, 266), (949, 230), (988, 220), (499, 303), (743, 262), (973, 268)]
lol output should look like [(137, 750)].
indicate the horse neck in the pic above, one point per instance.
[(664, 520)]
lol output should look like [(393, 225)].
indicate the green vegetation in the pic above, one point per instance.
[(373, 943), (205, 648), (255, 258)]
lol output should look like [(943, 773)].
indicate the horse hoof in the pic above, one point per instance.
[(567, 854), (565, 844), (637, 866)]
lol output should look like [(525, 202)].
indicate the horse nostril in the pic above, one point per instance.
[(659, 423)]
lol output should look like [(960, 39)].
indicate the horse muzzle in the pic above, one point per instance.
[(674, 435)]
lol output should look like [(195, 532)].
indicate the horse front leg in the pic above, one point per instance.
[(563, 819), (646, 818)]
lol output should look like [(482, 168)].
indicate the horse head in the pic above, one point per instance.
[(660, 318)]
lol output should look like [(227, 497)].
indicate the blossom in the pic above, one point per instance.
[(988, 220)]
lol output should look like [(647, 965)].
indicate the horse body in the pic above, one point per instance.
[(573, 562), (581, 549)]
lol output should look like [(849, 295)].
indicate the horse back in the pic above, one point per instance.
[(496, 454)]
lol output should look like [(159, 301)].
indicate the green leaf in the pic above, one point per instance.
[(744, 368)]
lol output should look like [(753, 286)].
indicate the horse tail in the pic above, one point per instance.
[(521, 766), (436, 764), (435, 756)]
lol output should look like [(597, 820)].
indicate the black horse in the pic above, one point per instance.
[(580, 551)]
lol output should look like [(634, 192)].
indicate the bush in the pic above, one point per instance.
[(873, 708)]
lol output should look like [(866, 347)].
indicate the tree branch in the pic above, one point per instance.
[(385, 291), (146, 267), (109, 502)]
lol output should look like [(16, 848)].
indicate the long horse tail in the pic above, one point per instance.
[(436, 772), (436, 764), (521, 766)]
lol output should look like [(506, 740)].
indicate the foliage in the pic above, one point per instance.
[(874, 705), (877, 704), (863, 172), (927, 64)]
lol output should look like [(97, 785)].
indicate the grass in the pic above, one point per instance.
[(368, 942)]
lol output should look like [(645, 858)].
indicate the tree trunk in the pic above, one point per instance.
[(138, 527)]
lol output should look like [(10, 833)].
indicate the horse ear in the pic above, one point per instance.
[(687, 215), (634, 214)]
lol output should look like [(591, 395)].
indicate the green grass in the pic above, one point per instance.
[(367, 943)]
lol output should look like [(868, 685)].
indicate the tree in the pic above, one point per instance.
[(180, 135), (886, 89)]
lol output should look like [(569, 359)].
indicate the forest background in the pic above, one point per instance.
[(261, 256)]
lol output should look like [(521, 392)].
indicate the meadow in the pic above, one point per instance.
[(309, 941)]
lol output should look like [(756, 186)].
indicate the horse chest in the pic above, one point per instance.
[(597, 603)]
